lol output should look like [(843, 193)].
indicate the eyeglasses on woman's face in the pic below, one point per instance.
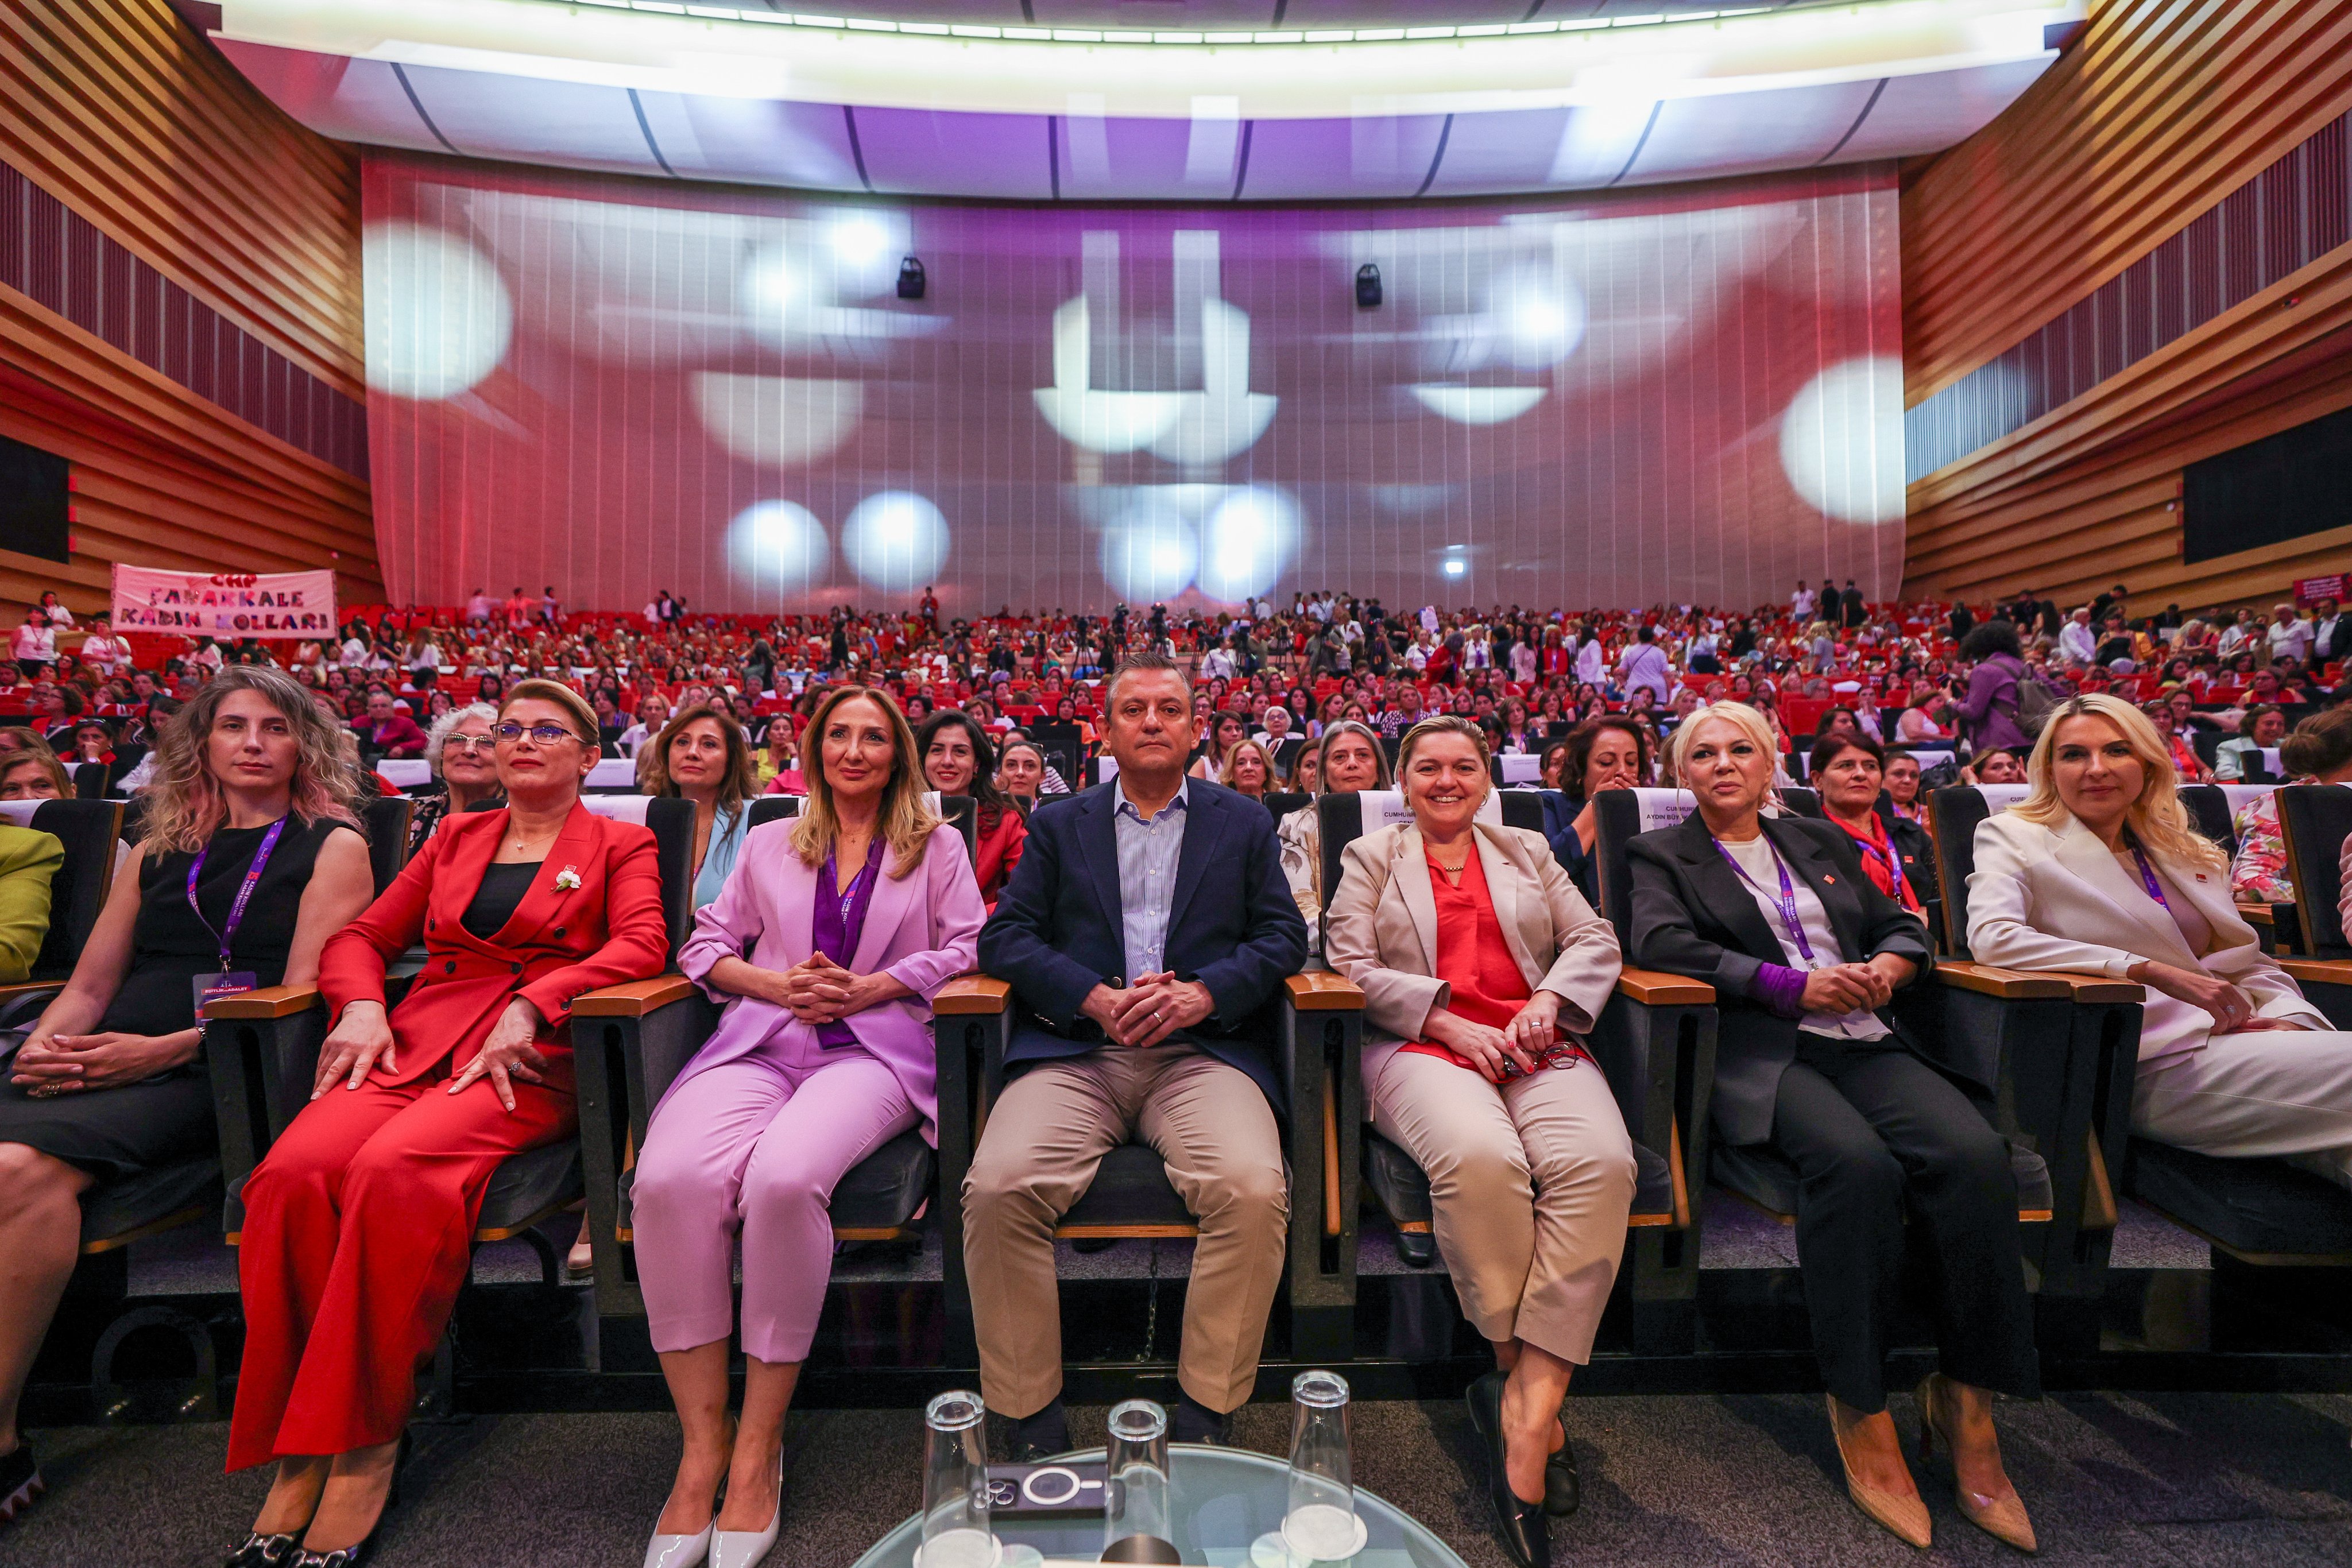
[(540, 734), (486, 744)]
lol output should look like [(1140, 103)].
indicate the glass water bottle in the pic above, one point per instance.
[(1137, 1526), (955, 1484)]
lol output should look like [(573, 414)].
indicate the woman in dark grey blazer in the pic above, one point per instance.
[(1805, 953)]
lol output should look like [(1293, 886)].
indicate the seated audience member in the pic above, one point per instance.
[(853, 915), (1305, 772), (365, 1203), (2319, 751), (1147, 925), (463, 754), (2262, 728), (2186, 763), (247, 804), (1225, 730), (653, 716), (1022, 770), (1472, 1064), (30, 860), (701, 756), (1899, 772), (33, 772), (779, 764), (957, 759), (1249, 769), (1996, 765), (2098, 872), (1805, 953), (1847, 771), (387, 731), (1601, 754), (1350, 757)]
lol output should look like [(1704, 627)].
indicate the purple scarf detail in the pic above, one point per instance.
[(840, 922)]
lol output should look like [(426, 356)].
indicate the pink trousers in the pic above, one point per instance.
[(753, 1147)]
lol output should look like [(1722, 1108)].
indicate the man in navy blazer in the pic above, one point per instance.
[(1143, 934)]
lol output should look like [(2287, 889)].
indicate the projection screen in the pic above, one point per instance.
[(615, 387)]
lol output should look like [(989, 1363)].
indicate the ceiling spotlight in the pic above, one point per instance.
[(1456, 567), (910, 280), (1368, 286)]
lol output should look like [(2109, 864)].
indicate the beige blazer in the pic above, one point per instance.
[(1381, 934), (2033, 881)]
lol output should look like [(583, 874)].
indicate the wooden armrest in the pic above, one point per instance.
[(2318, 971), (2090, 988), (28, 988), (1321, 991), (1986, 980), (268, 1002), (634, 1000), (2257, 915), (1654, 989), (971, 994)]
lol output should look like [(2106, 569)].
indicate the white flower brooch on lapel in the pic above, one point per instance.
[(567, 879)]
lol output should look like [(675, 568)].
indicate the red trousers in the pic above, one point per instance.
[(359, 1230)]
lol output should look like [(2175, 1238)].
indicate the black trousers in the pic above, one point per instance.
[(1875, 1133)]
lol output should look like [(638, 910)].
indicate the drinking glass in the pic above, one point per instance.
[(1321, 1525), (955, 1484), (1136, 1527)]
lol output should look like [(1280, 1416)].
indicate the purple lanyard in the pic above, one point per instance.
[(1787, 901), (2148, 878), (1885, 857), (227, 933)]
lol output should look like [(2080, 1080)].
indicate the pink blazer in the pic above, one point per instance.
[(924, 928)]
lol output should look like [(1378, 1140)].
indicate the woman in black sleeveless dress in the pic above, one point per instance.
[(111, 1084)]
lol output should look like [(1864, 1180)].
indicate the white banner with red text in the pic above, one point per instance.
[(224, 604)]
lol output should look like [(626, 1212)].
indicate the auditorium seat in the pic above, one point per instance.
[(1643, 1046), (2213, 811), (2066, 1071)]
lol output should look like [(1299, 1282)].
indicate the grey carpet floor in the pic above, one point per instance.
[(2138, 1481)]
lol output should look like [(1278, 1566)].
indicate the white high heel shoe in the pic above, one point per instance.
[(679, 1550), (745, 1548)]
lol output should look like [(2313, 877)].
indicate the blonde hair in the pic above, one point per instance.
[(1430, 729), (1749, 722), (584, 728), (1233, 754), (906, 823), (2156, 819), (185, 804)]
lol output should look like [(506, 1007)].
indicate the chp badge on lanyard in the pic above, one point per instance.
[(225, 981)]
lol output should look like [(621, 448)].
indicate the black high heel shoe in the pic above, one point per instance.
[(1564, 1488), (1524, 1527), (364, 1550), (259, 1551)]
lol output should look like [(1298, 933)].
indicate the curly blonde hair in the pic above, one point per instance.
[(185, 804), (905, 824), (2156, 819)]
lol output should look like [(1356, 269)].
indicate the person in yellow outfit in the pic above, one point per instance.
[(28, 861)]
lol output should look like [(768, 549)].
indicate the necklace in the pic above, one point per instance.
[(521, 843)]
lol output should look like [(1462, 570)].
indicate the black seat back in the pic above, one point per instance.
[(2315, 820), (1959, 810), (671, 818), (90, 830), (768, 809), (90, 781), (1803, 802), (1282, 802), (1522, 809), (1620, 816), (963, 813), (2211, 814), (386, 820)]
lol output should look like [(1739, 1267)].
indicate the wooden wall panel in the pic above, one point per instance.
[(137, 125), (120, 110), (2157, 112), (2162, 108)]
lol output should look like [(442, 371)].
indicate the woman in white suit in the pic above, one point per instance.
[(2097, 871), (1482, 966)]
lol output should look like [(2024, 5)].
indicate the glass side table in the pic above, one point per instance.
[(1225, 1501)]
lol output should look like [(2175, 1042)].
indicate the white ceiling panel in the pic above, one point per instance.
[(575, 124), (760, 141), (1510, 150), (349, 99), (1747, 132), (1930, 112)]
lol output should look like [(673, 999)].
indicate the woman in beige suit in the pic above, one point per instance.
[(2097, 871), (1481, 966)]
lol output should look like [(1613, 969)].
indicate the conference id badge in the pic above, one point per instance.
[(221, 983)]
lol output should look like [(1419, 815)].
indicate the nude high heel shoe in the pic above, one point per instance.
[(2002, 1518), (1906, 1517), (745, 1548)]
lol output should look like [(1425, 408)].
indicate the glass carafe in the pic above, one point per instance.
[(955, 1484)]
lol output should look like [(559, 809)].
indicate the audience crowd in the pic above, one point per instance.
[(1143, 926)]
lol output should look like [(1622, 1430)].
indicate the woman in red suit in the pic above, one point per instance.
[(359, 1223)]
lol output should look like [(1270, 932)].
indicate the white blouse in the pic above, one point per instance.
[(1757, 857)]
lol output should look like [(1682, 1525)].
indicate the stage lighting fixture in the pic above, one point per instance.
[(910, 280), (1456, 565), (1368, 286)]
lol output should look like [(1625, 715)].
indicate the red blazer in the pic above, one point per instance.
[(562, 941), (996, 854)]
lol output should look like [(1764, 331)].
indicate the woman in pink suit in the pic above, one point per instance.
[(855, 914)]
